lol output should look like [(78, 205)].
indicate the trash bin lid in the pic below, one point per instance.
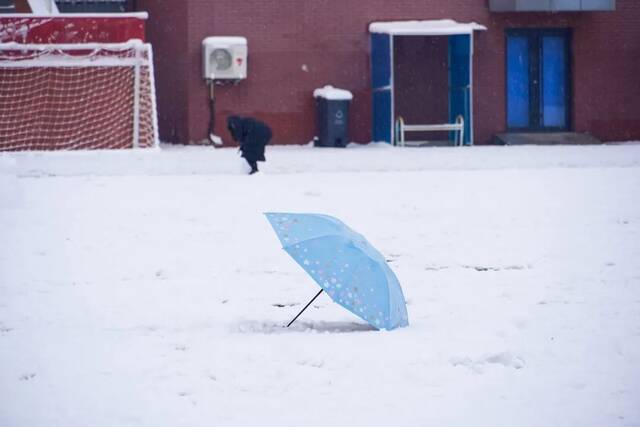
[(332, 93)]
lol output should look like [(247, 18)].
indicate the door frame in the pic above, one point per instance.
[(382, 63), (382, 89), (383, 83), (534, 36)]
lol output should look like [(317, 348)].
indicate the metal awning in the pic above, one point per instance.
[(551, 5), (438, 27)]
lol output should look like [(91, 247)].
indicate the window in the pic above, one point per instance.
[(7, 6), (91, 6)]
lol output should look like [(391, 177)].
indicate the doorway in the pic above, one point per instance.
[(420, 80), (538, 80), (422, 71)]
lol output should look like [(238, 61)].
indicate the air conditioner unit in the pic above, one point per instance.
[(224, 58)]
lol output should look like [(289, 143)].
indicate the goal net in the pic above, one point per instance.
[(77, 96)]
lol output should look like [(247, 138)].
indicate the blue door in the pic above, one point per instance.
[(538, 80), (460, 82), (382, 120)]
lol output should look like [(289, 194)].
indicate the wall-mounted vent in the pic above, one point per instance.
[(224, 58)]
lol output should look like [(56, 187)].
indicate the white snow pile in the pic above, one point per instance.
[(425, 28), (332, 93), (145, 288)]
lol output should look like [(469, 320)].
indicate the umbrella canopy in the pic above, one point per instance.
[(345, 265)]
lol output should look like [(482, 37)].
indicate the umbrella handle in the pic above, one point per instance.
[(305, 307)]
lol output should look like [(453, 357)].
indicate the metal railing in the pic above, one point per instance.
[(402, 128)]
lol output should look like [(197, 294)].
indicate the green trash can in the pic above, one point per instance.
[(332, 117)]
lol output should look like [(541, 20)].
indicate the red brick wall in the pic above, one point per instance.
[(421, 80), (167, 30), (296, 46), (607, 73)]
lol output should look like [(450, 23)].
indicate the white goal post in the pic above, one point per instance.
[(77, 96)]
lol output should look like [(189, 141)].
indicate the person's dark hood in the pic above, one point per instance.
[(234, 124)]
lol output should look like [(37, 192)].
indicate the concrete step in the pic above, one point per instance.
[(545, 138)]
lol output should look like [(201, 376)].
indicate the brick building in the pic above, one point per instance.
[(296, 46), (541, 66)]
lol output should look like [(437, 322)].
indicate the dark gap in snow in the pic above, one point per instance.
[(265, 327)]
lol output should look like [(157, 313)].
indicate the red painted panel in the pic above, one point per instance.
[(71, 29)]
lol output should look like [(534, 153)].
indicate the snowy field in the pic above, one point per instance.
[(145, 288)]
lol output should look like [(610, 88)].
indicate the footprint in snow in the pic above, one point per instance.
[(483, 268), (478, 365), (27, 377), (436, 268), (507, 360), (286, 304), (313, 363)]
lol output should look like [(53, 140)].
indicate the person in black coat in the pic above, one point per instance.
[(252, 135)]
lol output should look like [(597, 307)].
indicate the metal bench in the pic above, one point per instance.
[(402, 128)]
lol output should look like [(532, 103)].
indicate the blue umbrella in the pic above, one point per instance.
[(351, 271)]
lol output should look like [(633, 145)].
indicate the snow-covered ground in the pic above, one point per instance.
[(144, 288)]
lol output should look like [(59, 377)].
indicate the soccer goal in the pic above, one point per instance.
[(77, 96)]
